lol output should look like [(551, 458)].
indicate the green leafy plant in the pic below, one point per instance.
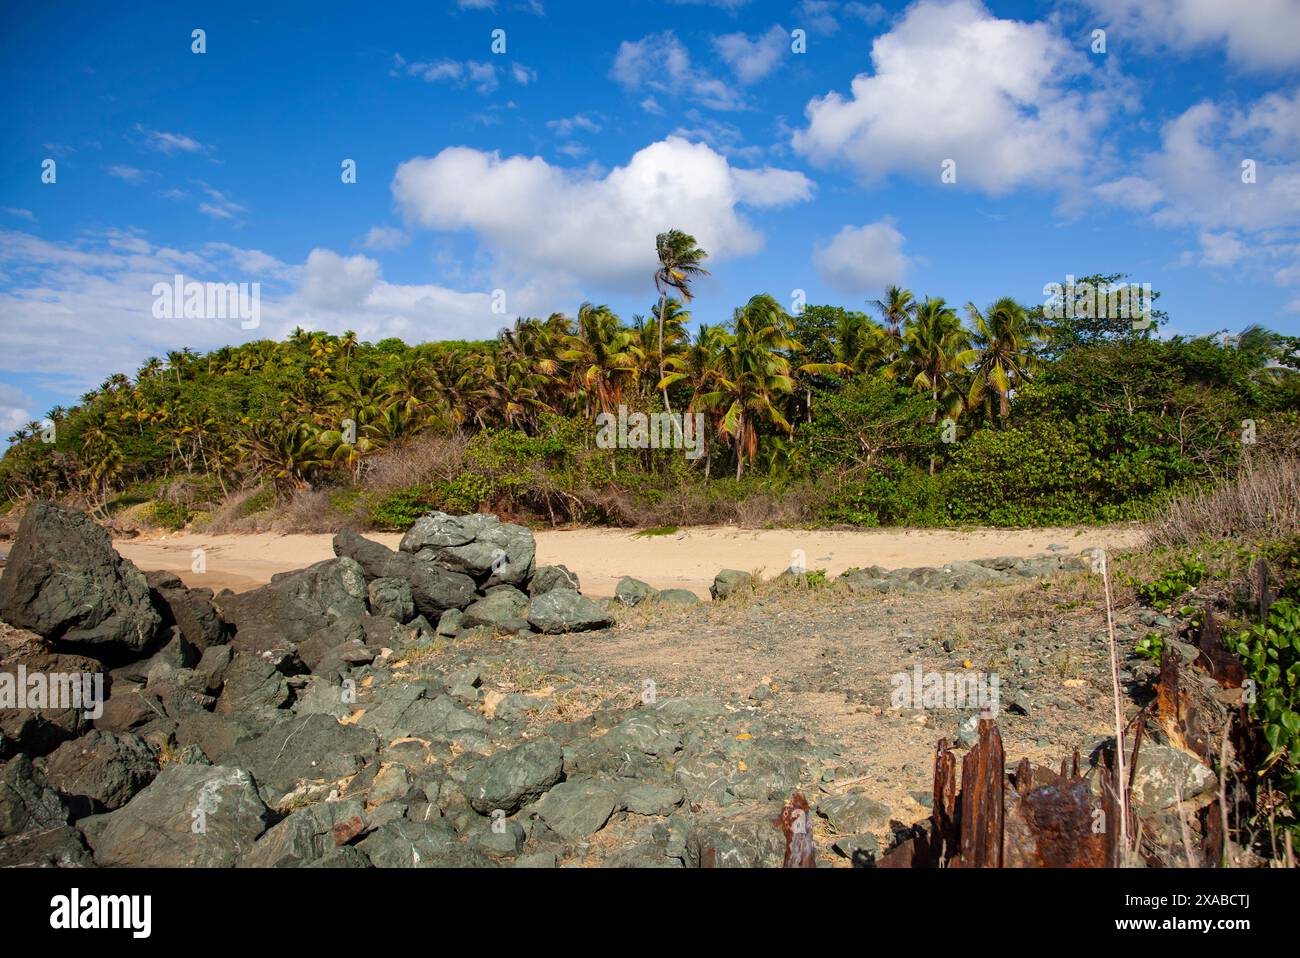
[(1160, 593), (1150, 646), (1270, 653), (169, 515)]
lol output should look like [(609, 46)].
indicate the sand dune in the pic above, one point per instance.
[(686, 559)]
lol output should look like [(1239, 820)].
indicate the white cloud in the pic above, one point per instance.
[(859, 259), (21, 213), (169, 143), (1221, 249), (1132, 192), (596, 229), (523, 75), (1253, 32), (84, 309), (384, 237), (14, 410), (567, 126), (752, 60), (128, 174), (661, 64), (482, 76), (951, 81)]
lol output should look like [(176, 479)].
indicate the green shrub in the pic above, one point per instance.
[(398, 511), (169, 515)]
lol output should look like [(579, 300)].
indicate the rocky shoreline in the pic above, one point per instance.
[(307, 722)]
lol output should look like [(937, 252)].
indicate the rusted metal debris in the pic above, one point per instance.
[(1264, 595), (796, 824), (1224, 667), (983, 801), (1178, 711), (1045, 819)]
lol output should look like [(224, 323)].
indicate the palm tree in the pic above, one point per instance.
[(603, 354), (1004, 338), (754, 372), (698, 366), (898, 306), (936, 348), (679, 264)]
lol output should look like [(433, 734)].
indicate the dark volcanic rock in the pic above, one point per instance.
[(563, 610), (270, 621), (479, 545), (433, 589), (26, 801), (191, 816), (58, 847), (64, 581), (190, 610), (311, 749), (548, 577), (38, 730), (511, 778), (100, 771)]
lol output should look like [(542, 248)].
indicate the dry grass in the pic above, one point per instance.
[(1261, 502), (427, 458)]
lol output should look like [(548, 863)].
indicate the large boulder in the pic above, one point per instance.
[(191, 816), (100, 771), (190, 610), (392, 597), (731, 581), (511, 778), (563, 610), (434, 589), (63, 711), (548, 577), (632, 591), (503, 611), (314, 749), (270, 621), (26, 800), (479, 545), (64, 581)]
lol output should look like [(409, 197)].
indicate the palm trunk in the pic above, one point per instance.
[(663, 299)]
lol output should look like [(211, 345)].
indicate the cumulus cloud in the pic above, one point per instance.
[(1253, 32), (81, 310), (859, 259), (14, 409), (598, 229), (952, 81), (660, 63), (752, 60)]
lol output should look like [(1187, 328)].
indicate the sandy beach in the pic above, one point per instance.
[(687, 559)]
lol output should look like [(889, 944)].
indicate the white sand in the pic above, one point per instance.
[(687, 559)]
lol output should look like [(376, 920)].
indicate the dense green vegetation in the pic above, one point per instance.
[(903, 414)]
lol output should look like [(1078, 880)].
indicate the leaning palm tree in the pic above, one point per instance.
[(679, 264), (1004, 338)]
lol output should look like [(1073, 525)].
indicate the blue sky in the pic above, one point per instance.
[(544, 171)]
